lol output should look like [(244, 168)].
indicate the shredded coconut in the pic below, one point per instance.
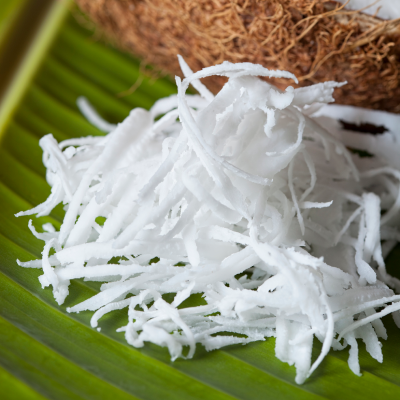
[(243, 197)]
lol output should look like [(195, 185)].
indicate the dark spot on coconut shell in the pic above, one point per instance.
[(364, 127)]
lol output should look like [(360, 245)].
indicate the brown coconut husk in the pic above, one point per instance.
[(317, 40)]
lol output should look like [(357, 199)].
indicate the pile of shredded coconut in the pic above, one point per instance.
[(245, 198)]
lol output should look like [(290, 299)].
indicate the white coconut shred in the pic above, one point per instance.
[(245, 198)]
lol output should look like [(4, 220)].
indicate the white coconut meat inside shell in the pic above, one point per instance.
[(385, 9)]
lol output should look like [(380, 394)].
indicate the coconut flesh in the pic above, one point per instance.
[(385, 9), (244, 197)]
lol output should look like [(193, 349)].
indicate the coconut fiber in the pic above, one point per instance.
[(317, 40)]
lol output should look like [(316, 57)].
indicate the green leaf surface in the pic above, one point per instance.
[(9, 11), (46, 353)]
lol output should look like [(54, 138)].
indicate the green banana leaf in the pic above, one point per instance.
[(46, 353)]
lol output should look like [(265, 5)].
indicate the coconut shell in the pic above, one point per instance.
[(317, 40)]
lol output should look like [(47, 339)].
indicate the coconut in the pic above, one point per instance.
[(317, 40), (243, 199)]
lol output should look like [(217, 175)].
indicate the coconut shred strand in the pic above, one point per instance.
[(244, 198)]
